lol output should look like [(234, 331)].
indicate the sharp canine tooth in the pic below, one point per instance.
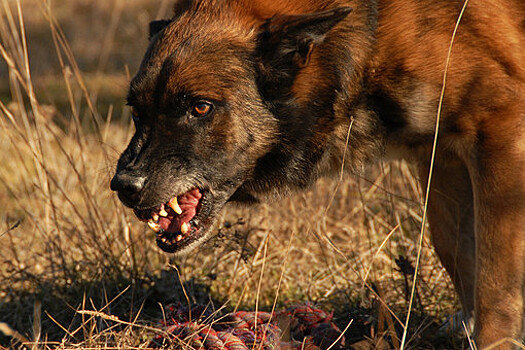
[(175, 205), (163, 213), (155, 218), (179, 238), (154, 226), (184, 228)]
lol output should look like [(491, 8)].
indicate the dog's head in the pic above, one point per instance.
[(209, 105)]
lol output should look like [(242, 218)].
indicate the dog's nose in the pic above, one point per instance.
[(128, 187)]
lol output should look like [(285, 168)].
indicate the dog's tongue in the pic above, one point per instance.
[(187, 203)]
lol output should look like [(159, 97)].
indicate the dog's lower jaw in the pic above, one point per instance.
[(183, 251)]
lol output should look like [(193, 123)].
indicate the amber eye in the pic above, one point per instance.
[(201, 109)]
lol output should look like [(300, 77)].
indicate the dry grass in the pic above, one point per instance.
[(78, 271)]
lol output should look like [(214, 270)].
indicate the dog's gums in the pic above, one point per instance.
[(177, 223)]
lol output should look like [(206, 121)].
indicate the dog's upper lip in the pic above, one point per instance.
[(178, 205)]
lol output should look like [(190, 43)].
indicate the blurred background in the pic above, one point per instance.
[(78, 270), (106, 39)]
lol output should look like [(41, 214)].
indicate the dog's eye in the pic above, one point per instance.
[(202, 109)]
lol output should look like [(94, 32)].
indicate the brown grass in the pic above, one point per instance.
[(79, 271)]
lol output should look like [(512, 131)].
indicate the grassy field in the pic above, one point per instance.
[(68, 248)]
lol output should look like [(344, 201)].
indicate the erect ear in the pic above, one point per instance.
[(181, 6), (292, 37), (156, 26), (285, 44)]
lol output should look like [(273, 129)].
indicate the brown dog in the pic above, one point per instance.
[(237, 99)]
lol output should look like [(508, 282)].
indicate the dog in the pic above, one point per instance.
[(239, 100)]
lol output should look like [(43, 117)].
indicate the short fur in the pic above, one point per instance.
[(287, 78)]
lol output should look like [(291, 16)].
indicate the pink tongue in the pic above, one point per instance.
[(188, 203)]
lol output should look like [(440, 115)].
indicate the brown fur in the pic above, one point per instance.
[(286, 88)]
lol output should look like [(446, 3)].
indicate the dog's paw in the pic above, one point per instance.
[(456, 324)]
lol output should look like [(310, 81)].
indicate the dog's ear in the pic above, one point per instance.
[(156, 26), (294, 36), (285, 43), (181, 6)]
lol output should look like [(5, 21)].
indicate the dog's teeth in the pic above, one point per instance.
[(153, 225), (175, 206), (155, 218), (184, 228), (163, 213), (179, 238)]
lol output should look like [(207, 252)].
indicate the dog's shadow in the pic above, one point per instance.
[(77, 312)]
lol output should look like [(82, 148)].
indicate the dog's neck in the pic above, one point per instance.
[(345, 65), (316, 106)]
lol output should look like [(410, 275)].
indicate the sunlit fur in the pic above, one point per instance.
[(288, 89)]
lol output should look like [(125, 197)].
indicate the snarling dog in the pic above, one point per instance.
[(239, 99)]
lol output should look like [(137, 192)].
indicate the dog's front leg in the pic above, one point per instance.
[(498, 175), (451, 219)]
